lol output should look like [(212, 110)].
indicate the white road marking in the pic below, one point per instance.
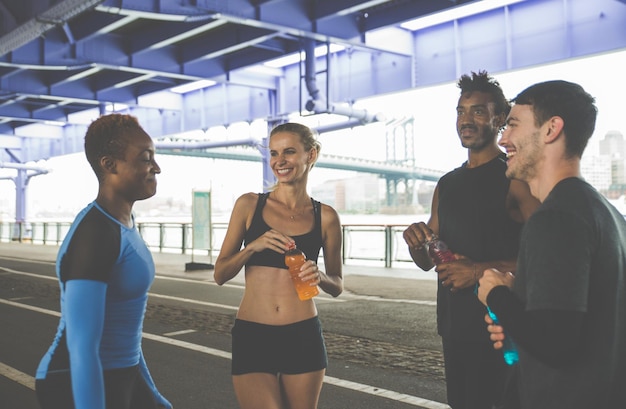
[(344, 298), (192, 301), (385, 393), (26, 380), (17, 376), (183, 332)]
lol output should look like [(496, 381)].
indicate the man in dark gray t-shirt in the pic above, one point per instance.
[(566, 306)]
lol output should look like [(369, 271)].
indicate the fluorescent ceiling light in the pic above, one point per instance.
[(88, 72), (116, 107), (135, 80), (83, 117), (54, 123), (291, 59), (192, 86), (456, 13), (264, 70)]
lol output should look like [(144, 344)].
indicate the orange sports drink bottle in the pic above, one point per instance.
[(294, 258)]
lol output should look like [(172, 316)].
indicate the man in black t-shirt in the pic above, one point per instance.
[(566, 305)]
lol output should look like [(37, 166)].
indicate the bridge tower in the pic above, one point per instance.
[(400, 150)]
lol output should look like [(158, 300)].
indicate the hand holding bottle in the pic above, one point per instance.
[(492, 278), (294, 259), (509, 349), (416, 235), (439, 251)]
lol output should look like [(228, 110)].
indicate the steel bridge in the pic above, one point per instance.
[(63, 59), (398, 168)]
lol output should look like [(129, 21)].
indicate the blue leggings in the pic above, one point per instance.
[(124, 388)]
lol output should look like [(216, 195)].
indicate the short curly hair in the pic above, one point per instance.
[(483, 82), (108, 136)]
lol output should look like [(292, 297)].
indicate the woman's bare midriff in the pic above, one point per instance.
[(270, 298)]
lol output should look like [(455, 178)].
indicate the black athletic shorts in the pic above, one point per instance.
[(288, 349)]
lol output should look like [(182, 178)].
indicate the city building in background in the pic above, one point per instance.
[(612, 150)]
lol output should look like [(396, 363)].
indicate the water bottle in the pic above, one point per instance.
[(294, 258), (509, 349), (439, 251)]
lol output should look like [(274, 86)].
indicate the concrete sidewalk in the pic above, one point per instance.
[(390, 283)]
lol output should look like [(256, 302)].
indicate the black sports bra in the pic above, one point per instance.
[(310, 243)]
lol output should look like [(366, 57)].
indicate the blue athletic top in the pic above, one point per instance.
[(105, 270), (310, 243)]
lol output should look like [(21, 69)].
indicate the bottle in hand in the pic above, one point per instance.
[(509, 349), (294, 258), (439, 251)]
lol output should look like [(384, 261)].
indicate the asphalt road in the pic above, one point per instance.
[(380, 334)]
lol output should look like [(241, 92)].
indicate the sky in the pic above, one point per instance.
[(71, 184)]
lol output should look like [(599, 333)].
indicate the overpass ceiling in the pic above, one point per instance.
[(58, 57), (62, 57)]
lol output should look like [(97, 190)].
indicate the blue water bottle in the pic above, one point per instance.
[(509, 349)]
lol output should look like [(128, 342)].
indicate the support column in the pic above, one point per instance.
[(21, 182), (268, 176), (392, 192), (269, 180)]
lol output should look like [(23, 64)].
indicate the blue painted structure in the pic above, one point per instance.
[(97, 54)]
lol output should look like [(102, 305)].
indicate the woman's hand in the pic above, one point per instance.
[(310, 272), (272, 240)]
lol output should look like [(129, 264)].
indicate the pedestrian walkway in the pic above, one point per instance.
[(391, 283)]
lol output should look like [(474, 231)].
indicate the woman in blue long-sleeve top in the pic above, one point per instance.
[(105, 270)]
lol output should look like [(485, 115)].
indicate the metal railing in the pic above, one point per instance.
[(363, 244)]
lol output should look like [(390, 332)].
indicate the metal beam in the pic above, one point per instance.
[(50, 79), (34, 28), (325, 161)]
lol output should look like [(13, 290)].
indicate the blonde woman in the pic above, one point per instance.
[(279, 355)]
